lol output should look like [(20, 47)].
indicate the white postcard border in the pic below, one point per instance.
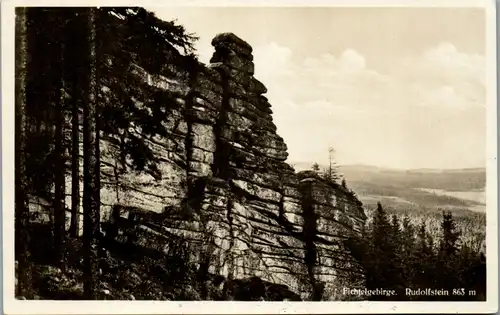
[(13, 306)]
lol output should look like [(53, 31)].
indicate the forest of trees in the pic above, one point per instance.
[(397, 255), (62, 63)]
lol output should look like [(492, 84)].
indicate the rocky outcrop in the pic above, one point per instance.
[(223, 183), (331, 214)]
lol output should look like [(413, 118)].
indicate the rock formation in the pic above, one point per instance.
[(223, 182)]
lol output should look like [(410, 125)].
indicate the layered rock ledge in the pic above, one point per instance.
[(224, 185)]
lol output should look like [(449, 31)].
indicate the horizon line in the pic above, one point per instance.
[(391, 168)]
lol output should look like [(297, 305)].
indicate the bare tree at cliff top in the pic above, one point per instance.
[(332, 172)]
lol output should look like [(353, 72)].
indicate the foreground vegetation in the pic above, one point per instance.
[(398, 255), (65, 58), (132, 272)]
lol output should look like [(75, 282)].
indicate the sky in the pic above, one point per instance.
[(390, 87)]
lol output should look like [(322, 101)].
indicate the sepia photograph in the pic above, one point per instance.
[(249, 153)]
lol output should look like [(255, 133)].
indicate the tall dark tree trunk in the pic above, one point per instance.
[(75, 173), (21, 198), (74, 68), (59, 170), (91, 161)]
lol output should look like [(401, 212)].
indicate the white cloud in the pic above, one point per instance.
[(445, 60), (272, 60), (444, 67), (352, 61), (399, 120), (445, 97), (349, 62)]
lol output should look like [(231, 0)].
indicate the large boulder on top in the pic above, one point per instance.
[(233, 42)]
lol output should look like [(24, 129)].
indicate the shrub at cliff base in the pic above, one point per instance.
[(128, 273)]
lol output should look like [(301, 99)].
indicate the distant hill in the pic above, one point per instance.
[(450, 179)]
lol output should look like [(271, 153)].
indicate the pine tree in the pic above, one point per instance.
[(73, 68), (396, 230), (331, 173), (396, 263), (315, 167), (447, 257), (407, 236), (120, 110), (43, 82), (382, 252), (91, 162), (59, 100), (75, 172), (448, 245), (422, 238), (407, 251), (424, 259)]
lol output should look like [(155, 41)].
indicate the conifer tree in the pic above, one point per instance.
[(447, 257), (422, 240), (315, 167), (74, 66), (423, 259), (396, 230), (407, 251), (91, 161), (397, 261), (58, 23), (332, 171), (381, 251), (450, 236)]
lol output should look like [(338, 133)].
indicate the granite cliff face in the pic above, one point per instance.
[(223, 183)]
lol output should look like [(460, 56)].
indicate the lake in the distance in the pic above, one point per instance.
[(477, 196)]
